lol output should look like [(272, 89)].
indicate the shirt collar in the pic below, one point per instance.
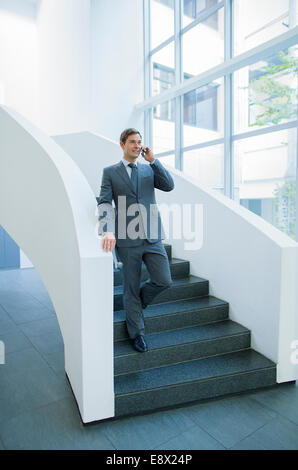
[(126, 163)]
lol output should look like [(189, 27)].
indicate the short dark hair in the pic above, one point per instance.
[(127, 132)]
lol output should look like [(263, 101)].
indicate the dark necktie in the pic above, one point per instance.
[(134, 176)]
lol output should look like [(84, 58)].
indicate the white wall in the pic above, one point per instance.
[(117, 65), (19, 75), (45, 52), (73, 65), (91, 152), (45, 65), (19, 70), (64, 62)]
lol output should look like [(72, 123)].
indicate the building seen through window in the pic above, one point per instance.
[(263, 98), (193, 8)]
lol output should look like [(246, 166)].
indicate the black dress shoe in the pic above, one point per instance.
[(140, 344)]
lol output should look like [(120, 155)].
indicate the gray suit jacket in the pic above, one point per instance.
[(116, 183)]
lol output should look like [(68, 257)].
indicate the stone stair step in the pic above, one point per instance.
[(176, 314), (185, 288), (187, 382), (185, 344)]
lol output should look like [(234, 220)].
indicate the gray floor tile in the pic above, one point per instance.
[(27, 382), (14, 340), (29, 280), (39, 292), (44, 334), (40, 327), (55, 426), (22, 362), (278, 434), (148, 431), (6, 322), (282, 399), (8, 280), (231, 419), (193, 439), (26, 277), (44, 299), (23, 307), (49, 343), (38, 410), (56, 360)]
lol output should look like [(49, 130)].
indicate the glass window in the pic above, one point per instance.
[(165, 111), (168, 160), (162, 21), (256, 22), (206, 165), (193, 8), (163, 69), (197, 57), (264, 95), (266, 92), (265, 177), (164, 127), (203, 114)]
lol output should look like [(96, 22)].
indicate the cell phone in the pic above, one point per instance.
[(143, 152)]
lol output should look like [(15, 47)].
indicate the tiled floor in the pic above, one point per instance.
[(38, 411)]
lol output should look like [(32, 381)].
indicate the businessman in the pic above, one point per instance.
[(135, 227)]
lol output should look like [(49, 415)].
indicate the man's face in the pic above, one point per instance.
[(132, 146)]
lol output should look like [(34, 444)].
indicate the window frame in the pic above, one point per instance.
[(231, 64)]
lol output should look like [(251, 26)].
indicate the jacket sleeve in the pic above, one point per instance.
[(162, 178), (106, 212)]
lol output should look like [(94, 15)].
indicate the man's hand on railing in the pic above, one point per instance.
[(108, 241)]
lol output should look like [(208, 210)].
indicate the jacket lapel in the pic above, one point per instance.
[(124, 175), (140, 176)]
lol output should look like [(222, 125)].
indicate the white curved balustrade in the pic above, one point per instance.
[(48, 208)]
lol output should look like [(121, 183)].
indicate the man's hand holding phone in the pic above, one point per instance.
[(147, 154), (108, 241)]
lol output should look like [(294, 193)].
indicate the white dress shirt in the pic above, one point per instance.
[(128, 169)]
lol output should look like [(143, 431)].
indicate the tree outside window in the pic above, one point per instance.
[(273, 100)]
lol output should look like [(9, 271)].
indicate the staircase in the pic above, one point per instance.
[(196, 351)]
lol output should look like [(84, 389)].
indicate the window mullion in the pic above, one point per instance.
[(228, 107), (178, 81), (147, 71)]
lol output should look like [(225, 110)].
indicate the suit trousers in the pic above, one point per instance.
[(134, 295)]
